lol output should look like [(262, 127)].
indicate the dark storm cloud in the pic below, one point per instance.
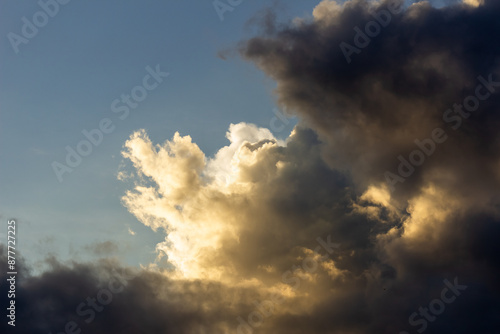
[(395, 90), (126, 301), (370, 110)]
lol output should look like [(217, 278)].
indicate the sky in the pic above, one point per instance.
[(214, 167)]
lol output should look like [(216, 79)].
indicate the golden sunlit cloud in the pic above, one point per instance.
[(194, 198), (474, 3)]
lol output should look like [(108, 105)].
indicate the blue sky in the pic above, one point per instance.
[(64, 80)]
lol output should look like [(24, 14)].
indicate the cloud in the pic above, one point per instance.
[(276, 199), (396, 90), (474, 3), (104, 248), (242, 227), (238, 197), (246, 241), (142, 301)]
